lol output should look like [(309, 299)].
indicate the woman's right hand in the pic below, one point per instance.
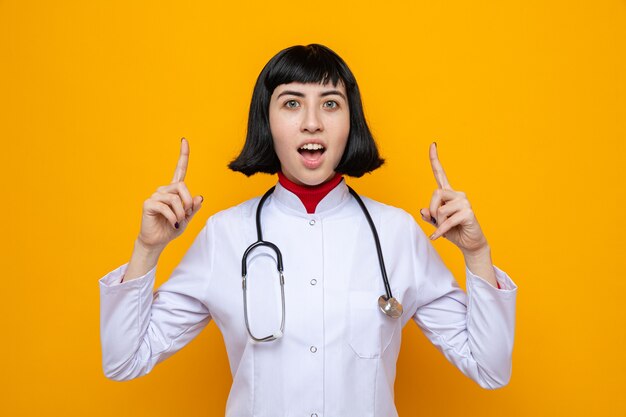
[(168, 211)]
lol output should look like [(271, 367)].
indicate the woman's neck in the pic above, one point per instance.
[(309, 195)]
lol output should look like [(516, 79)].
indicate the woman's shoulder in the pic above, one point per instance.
[(388, 213), (395, 223), (235, 213)]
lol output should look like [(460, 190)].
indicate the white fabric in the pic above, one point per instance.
[(338, 354)]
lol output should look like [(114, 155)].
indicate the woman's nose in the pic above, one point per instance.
[(312, 121)]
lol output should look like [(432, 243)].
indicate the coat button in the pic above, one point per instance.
[(312, 222), (314, 415), (313, 281), (313, 349)]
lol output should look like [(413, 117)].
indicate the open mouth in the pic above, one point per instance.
[(312, 151)]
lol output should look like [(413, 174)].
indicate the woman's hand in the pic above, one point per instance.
[(168, 211), (452, 214)]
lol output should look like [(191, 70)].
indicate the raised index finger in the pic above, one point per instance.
[(440, 175), (183, 159)]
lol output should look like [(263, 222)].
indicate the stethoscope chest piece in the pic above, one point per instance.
[(390, 306)]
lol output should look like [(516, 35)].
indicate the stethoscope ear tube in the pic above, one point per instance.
[(244, 273), (279, 256), (244, 286), (276, 335)]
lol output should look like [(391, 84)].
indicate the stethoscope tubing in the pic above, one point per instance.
[(387, 303), (379, 250), (279, 265)]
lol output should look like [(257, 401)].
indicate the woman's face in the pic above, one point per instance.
[(310, 124)]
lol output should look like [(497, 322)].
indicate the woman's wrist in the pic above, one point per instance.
[(147, 251), (479, 263), (142, 260), (481, 253)]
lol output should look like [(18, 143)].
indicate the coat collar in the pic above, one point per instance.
[(287, 200)]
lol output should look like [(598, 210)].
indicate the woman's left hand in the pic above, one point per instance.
[(452, 214)]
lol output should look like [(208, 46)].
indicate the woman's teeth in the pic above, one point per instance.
[(311, 147), (312, 152)]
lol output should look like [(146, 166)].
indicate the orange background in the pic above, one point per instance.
[(526, 99)]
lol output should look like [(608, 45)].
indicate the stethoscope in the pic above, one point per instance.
[(387, 304)]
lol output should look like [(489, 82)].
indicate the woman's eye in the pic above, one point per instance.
[(331, 104), (290, 104)]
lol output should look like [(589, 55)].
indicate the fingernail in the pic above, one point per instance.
[(176, 225), (432, 237), (181, 139), (201, 199)]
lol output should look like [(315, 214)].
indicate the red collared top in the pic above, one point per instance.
[(310, 195)]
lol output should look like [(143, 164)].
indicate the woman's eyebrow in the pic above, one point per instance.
[(290, 93), (299, 94), (333, 92)]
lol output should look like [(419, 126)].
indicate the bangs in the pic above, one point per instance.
[(306, 64)]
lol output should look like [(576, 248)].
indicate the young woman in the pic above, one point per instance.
[(354, 270)]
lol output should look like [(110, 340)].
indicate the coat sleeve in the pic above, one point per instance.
[(139, 329), (474, 330)]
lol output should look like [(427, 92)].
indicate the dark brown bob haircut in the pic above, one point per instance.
[(305, 64)]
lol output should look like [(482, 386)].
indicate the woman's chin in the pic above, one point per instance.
[(308, 179), (316, 179)]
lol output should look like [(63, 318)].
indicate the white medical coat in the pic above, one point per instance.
[(338, 354)]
